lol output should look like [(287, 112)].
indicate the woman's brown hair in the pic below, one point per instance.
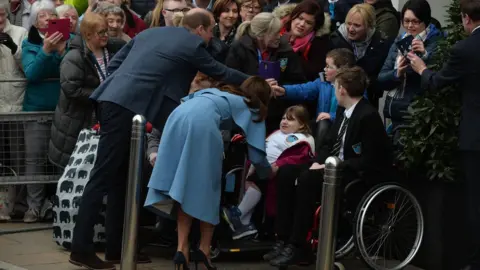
[(300, 114), (310, 7), (256, 92), (220, 6)]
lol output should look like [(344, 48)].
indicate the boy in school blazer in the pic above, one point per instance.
[(357, 137)]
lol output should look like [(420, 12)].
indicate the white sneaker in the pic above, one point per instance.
[(4, 217), (31, 216)]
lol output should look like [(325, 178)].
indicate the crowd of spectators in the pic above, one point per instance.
[(56, 73)]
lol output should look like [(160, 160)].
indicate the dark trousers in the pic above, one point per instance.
[(470, 163), (108, 176), (297, 204)]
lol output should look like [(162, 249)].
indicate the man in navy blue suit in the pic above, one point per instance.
[(148, 76)]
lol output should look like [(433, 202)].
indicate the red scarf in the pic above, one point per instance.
[(302, 44)]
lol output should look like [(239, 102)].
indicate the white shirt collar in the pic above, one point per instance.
[(476, 28), (348, 113)]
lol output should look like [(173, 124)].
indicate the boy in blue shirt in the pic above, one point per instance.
[(322, 91)]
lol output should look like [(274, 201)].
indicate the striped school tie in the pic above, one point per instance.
[(338, 143)]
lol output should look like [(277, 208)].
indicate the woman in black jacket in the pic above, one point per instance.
[(81, 71), (258, 41), (370, 46)]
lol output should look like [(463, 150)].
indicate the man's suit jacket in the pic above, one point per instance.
[(367, 149), (463, 68), (154, 70)]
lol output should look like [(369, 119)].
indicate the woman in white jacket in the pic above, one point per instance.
[(12, 90)]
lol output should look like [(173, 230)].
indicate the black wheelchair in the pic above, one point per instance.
[(384, 223)]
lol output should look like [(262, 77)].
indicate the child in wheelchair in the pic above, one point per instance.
[(358, 138), (291, 144)]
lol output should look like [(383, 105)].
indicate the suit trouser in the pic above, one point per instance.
[(296, 204), (108, 176), (470, 163)]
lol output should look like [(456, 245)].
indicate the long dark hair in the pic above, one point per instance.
[(256, 92)]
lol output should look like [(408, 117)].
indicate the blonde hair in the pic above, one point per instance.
[(366, 11), (178, 19), (263, 24), (90, 23), (157, 14)]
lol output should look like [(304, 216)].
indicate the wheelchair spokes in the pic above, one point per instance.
[(389, 227)]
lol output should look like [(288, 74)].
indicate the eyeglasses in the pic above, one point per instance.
[(102, 33), (184, 10), (413, 22), (251, 7)]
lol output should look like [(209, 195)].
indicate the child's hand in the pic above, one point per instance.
[(251, 171), (278, 90), (323, 116), (152, 158), (274, 169), (271, 82), (317, 166)]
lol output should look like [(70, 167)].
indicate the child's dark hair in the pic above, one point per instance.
[(342, 58), (300, 114), (354, 80)]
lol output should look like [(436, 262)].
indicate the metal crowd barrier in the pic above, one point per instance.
[(329, 214), (132, 203), (24, 139)]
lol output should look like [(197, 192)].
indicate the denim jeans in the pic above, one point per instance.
[(37, 136)]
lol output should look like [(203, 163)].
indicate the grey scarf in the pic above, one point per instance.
[(359, 47)]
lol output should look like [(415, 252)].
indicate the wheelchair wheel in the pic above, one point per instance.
[(344, 240), (388, 227)]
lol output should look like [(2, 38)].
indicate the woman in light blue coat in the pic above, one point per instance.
[(188, 168)]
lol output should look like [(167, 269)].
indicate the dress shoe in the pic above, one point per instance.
[(90, 261)]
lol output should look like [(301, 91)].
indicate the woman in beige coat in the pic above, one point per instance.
[(12, 90)]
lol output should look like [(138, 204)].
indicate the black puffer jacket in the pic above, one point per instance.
[(74, 111)]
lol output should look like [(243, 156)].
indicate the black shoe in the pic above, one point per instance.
[(180, 261), (90, 261), (141, 259), (200, 257), (291, 255), (275, 252)]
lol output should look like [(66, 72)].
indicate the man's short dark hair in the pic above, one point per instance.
[(342, 58), (471, 8), (354, 80), (195, 18)]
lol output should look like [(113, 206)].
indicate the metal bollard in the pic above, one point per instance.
[(329, 214), (132, 203)]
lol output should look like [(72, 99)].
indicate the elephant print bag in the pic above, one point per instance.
[(70, 189)]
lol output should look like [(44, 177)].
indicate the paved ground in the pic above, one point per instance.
[(36, 251)]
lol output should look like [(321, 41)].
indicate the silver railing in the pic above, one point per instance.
[(132, 203), (329, 214)]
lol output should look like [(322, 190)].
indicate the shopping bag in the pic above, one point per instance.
[(70, 189)]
